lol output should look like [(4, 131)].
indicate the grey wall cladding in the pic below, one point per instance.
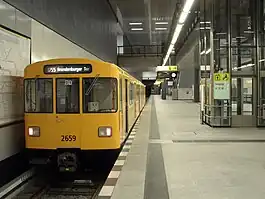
[(90, 24)]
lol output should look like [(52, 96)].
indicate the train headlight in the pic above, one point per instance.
[(34, 131), (104, 131)]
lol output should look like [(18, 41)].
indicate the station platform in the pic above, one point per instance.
[(170, 154)]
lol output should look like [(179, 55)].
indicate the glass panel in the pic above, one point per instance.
[(121, 95), (131, 93), (38, 96), (243, 22), (262, 35), (243, 59), (247, 96), (100, 96), (67, 95), (242, 96), (234, 96)]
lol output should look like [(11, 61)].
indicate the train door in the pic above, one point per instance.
[(67, 116), (126, 106)]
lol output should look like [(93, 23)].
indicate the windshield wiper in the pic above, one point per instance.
[(92, 85)]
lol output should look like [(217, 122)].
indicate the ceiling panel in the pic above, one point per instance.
[(148, 13)]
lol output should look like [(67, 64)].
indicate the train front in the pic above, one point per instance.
[(71, 111)]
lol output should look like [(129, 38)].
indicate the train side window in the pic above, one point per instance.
[(38, 95), (121, 104), (131, 93), (67, 95), (100, 96)]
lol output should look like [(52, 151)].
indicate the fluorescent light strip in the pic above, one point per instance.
[(161, 23), (136, 28), (207, 51), (244, 66), (135, 23), (203, 22), (161, 28), (183, 16)]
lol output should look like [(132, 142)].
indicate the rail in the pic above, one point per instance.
[(247, 99), (216, 116), (140, 50)]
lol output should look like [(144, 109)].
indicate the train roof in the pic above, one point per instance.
[(53, 61)]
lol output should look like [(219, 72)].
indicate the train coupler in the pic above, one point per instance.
[(67, 162)]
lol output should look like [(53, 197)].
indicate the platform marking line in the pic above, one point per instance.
[(123, 153), (132, 137), (114, 174), (126, 147), (110, 183), (106, 191), (129, 141), (119, 162)]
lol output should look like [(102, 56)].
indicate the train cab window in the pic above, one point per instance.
[(38, 95), (67, 95), (100, 95)]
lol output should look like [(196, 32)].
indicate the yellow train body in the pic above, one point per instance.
[(79, 104)]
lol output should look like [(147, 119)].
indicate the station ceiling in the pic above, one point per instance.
[(147, 22)]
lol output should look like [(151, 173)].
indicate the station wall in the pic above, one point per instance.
[(23, 40), (89, 23), (188, 62)]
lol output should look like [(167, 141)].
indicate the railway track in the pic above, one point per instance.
[(75, 190), (55, 186)]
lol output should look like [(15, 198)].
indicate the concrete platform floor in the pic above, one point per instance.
[(174, 156)]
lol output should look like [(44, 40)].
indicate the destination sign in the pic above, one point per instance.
[(68, 69)]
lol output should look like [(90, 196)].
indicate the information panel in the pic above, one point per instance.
[(68, 69), (222, 86)]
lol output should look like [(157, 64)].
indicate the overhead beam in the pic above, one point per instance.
[(149, 18)]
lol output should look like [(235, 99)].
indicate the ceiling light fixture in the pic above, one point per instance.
[(135, 23), (161, 28), (137, 29), (183, 16), (161, 23)]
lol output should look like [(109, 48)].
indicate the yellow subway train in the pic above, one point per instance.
[(76, 107)]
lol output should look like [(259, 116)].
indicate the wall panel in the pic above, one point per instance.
[(88, 23), (46, 44)]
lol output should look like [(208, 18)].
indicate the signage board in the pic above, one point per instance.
[(67, 69), (222, 86), (166, 68)]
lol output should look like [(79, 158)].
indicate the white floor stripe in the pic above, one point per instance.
[(132, 136), (119, 162), (114, 174), (129, 141), (106, 191), (126, 146), (123, 153)]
